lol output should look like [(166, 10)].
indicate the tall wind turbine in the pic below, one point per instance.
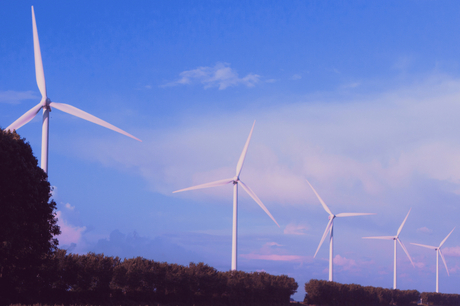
[(330, 228), (47, 105), (395, 238), (438, 252), (235, 180)]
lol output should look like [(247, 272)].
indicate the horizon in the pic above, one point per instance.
[(360, 99)]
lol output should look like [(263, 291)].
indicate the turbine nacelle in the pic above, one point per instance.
[(46, 105)]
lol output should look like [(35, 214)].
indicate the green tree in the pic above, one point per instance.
[(27, 221)]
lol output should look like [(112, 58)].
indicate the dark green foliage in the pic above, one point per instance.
[(335, 294), (440, 299), (27, 222), (97, 279)]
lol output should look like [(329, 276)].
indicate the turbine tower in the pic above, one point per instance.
[(47, 105), (235, 181), (438, 252), (330, 228), (395, 238)]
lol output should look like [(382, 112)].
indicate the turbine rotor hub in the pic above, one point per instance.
[(47, 104)]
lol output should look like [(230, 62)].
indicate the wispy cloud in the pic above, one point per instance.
[(296, 229), (274, 257), (425, 230), (15, 97), (69, 233), (452, 251), (275, 252), (220, 76), (344, 263), (377, 144)]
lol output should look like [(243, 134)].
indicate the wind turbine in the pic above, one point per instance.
[(438, 252), (330, 228), (235, 180), (395, 238), (47, 105)]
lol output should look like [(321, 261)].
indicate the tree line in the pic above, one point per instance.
[(440, 299), (98, 279), (320, 292)]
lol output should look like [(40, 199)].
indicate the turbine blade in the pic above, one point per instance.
[(405, 250), (239, 166), (328, 227), (321, 200), (84, 115), (29, 115), (381, 237), (444, 261), (425, 246), (207, 185), (258, 201), (353, 214), (446, 237), (39, 73), (402, 224)]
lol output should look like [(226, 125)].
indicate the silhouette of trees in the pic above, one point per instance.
[(27, 222), (98, 279), (440, 299), (334, 294)]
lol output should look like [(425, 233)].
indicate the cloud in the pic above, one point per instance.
[(294, 229), (274, 257), (69, 207), (274, 252), (349, 148), (425, 230), (69, 233), (345, 263), (221, 76), (296, 77), (452, 251), (15, 97), (419, 264)]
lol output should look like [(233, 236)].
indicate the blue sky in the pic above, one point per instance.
[(361, 98)]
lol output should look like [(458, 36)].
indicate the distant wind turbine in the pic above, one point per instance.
[(47, 105), (235, 180), (330, 228), (438, 252), (395, 238)]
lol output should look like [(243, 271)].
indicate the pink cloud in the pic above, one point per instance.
[(275, 257), (69, 233), (274, 251), (453, 251), (345, 263), (293, 229)]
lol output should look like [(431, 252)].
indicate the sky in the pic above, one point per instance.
[(360, 98)]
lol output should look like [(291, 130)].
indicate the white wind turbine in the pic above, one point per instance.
[(395, 238), (47, 105), (438, 252), (330, 228), (235, 180)]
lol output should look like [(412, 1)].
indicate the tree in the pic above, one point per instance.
[(27, 221)]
